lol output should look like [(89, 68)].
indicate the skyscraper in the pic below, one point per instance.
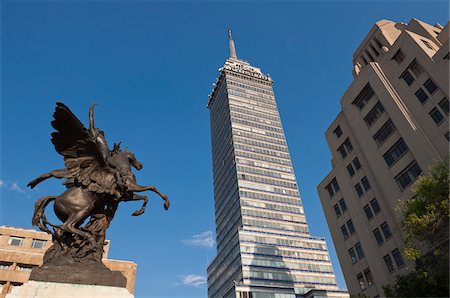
[(264, 248), (393, 125)]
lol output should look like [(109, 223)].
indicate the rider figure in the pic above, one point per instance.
[(98, 136)]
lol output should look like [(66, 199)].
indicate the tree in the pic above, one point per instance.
[(425, 225)]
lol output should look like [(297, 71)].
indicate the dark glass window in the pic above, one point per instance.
[(365, 183), (378, 236), (389, 265), (359, 250), (436, 115), (369, 55), (348, 145), (384, 132), (352, 254), (416, 68), (374, 50), (342, 151), (395, 152), (398, 56), (351, 227), (408, 175), (375, 206), (368, 212), (330, 190), (444, 105), (407, 77), (374, 114), (338, 131), (363, 97), (377, 42), (427, 44), (351, 170), (430, 86), (369, 277), (335, 185), (398, 258), (362, 283), (356, 164), (421, 95), (337, 210), (359, 190), (386, 231), (344, 232), (343, 205)]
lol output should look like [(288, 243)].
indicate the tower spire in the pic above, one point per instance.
[(231, 43)]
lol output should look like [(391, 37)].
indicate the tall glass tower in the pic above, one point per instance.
[(264, 248)]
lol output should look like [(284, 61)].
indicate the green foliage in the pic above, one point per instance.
[(425, 225)]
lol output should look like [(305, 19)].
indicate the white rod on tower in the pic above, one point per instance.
[(232, 47)]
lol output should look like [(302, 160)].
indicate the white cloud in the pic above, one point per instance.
[(2, 183), (14, 186), (193, 280), (204, 239)]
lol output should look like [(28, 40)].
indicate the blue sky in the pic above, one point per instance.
[(149, 66)]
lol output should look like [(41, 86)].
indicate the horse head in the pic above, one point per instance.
[(132, 159)]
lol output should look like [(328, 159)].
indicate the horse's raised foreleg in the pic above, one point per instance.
[(136, 197), (61, 173), (140, 188)]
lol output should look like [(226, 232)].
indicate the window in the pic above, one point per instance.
[(352, 254), (368, 212), (447, 56), (436, 116), (38, 243), (365, 183), (5, 265), (344, 232), (444, 105), (374, 114), (421, 95), (369, 277), (359, 250), (345, 148), (408, 175), (377, 42), (337, 210), (427, 44), (416, 68), (376, 208), (384, 132), (351, 170), (356, 164), (342, 151), (335, 185), (363, 97), (389, 265), (395, 152), (362, 283), (351, 227), (343, 205), (378, 236), (330, 190), (15, 241), (386, 231), (24, 268), (407, 77), (398, 57), (430, 86), (447, 135), (359, 190), (338, 131), (398, 258)]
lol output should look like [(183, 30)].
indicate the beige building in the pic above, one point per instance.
[(393, 125), (23, 249)]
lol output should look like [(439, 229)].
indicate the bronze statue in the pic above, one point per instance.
[(97, 179)]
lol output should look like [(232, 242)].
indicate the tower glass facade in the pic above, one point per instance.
[(264, 248)]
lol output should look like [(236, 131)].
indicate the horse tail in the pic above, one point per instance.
[(39, 218)]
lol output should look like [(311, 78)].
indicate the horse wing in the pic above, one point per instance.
[(81, 154)]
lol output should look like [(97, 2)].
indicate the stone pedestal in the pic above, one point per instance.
[(41, 289)]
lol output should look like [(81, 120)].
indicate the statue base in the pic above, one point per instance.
[(79, 273), (39, 289)]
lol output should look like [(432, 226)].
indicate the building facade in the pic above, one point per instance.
[(393, 125), (23, 249), (264, 248)]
